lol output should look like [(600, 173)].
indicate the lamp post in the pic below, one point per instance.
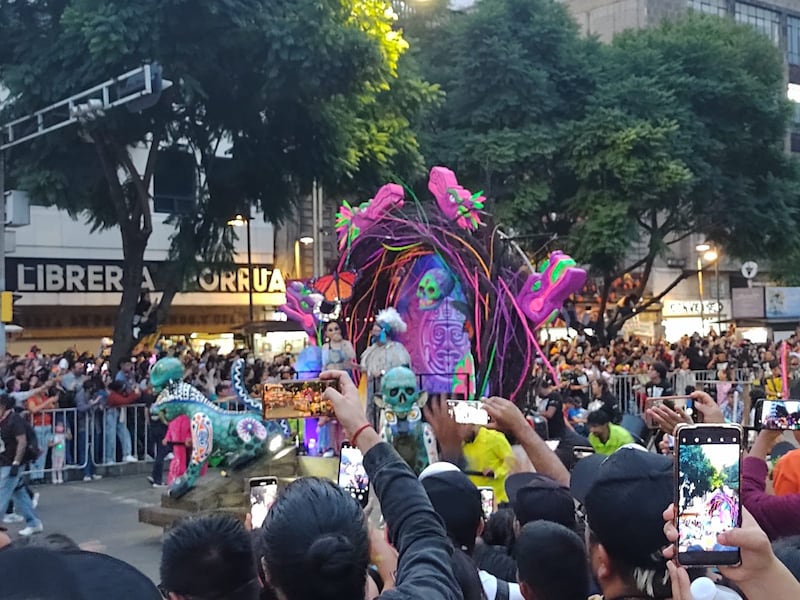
[(306, 240), (241, 221), (710, 254)]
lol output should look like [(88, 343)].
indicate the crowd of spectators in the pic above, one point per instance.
[(603, 529)]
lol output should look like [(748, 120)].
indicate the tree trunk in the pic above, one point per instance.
[(600, 332), (134, 243), (171, 288)]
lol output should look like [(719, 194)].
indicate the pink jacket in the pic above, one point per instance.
[(778, 516)]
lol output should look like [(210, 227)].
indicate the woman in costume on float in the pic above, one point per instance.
[(384, 353), (338, 354)]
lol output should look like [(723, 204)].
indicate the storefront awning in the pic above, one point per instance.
[(254, 327)]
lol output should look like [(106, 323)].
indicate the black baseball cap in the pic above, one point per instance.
[(624, 496), (456, 500), (536, 497), (70, 576)]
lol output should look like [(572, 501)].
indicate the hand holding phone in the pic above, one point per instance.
[(263, 492), (778, 415), (707, 484)]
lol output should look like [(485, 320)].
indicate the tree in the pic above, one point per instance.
[(683, 134), (661, 134), (696, 472), (513, 72), (299, 91)]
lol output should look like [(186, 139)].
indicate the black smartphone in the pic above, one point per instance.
[(263, 492), (707, 485), (353, 477), (778, 415), (487, 501)]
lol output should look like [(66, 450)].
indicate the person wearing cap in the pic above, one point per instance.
[(606, 437), (659, 385), (778, 516), (13, 442), (624, 497), (536, 497), (463, 520), (551, 562)]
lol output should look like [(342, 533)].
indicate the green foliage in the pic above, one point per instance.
[(665, 132), (698, 470)]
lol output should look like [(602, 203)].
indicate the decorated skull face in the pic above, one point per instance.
[(399, 389), (435, 286)]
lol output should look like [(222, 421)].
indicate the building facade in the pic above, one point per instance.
[(67, 280)]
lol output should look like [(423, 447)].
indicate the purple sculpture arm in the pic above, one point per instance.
[(455, 201), (299, 307), (352, 221), (544, 293)]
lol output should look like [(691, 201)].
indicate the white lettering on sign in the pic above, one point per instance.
[(82, 276), (696, 308)]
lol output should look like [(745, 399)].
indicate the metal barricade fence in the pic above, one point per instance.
[(99, 436)]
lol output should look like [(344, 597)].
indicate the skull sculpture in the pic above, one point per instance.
[(400, 392), (435, 286)]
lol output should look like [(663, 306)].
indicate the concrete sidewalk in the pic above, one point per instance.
[(104, 515)]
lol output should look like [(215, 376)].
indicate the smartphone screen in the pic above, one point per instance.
[(468, 412), (353, 477), (263, 491), (684, 403), (707, 495), (487, 501), (296, 399), (779, 415)]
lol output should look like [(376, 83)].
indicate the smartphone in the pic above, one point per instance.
[(468, 412), (778, 415), (580, 452), (296, 399), (353, 477), (707, 483), (487, 501), (263, 491), (672, 402)]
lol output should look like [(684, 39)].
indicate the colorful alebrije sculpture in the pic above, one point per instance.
[(461, 285), (455, 201), (544, 292), (241, 436), (401, 423), (351, 221), (300, 304)]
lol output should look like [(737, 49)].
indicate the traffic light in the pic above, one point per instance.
[(136, 83)]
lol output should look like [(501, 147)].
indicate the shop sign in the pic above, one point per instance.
[(693, 308), (105, 276)]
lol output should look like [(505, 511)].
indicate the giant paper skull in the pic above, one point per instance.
[(435, 286), (400, 392)]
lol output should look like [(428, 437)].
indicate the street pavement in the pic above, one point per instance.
[(103, 516)]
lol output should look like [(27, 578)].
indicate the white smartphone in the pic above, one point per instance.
[(263, 492)]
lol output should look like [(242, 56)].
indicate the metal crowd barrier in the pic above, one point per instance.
[(88, 438)]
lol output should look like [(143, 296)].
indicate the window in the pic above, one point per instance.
[(174, 183), (710, 7), (793, 40), (764, 20)]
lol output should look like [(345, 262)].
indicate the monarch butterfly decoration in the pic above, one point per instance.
[(336, 288)]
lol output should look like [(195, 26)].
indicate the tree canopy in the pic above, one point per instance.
[(666, 132), (298, 91)]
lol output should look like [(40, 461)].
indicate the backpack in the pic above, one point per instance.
[(32, 450)]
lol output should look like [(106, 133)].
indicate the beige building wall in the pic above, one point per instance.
[(605, 18)]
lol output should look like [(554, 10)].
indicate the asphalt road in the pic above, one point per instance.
[(103, 515)]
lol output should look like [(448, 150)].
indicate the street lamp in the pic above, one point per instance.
[(242, 221), (711, 255), (306, 240)]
